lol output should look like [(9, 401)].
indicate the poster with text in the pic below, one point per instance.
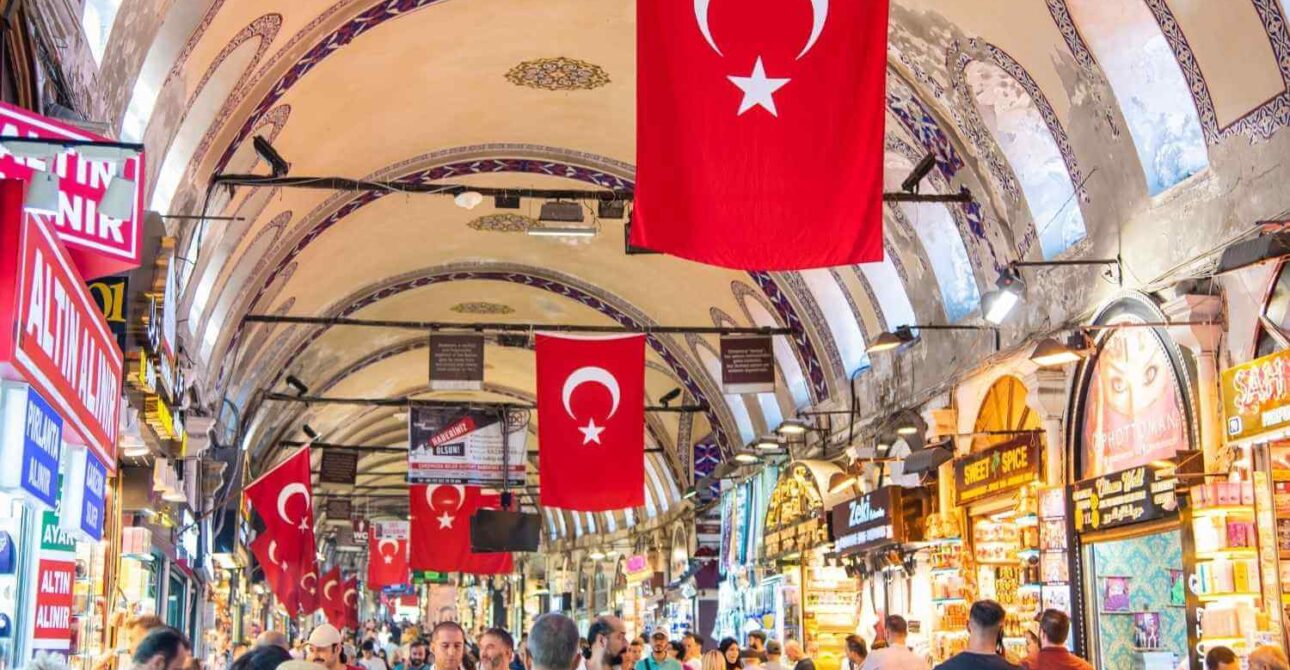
[(468, 446)]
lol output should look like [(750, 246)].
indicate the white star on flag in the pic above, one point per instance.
[(758, 90), (591, 432), (445, 521)]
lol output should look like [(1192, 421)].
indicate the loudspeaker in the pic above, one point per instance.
[(499, 530)]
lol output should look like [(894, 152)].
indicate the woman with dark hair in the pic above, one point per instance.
[(729, 648), (676, 650), (262, 658)]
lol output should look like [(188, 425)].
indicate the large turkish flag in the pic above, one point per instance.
[(387, 557), (440, 516), (283, 497), (591, 421), (759, 131)]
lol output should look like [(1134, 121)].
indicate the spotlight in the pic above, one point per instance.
[(669, 397), (910, 185), (277, 166), (1050, 353), (118, 200), (310, 432), (295, 383), (768, 443), (468, 199), (907, 429), (747, 457), (690, 493), (506, 201), (561, 231), (596, 555), (889, 340), (841, 481), (998, 304), (42, 193), (792, 427)]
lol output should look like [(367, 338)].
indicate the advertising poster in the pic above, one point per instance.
[(455, 445), (1133, 412)]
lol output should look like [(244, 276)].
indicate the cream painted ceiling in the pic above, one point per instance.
[(392, 89)]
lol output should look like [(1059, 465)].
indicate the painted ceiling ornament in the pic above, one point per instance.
[(591, 375), (558, 74), (503, 222), (482, 308), (758, 88)]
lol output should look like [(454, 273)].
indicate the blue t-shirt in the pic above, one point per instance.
[(648, 663), (969, 661)]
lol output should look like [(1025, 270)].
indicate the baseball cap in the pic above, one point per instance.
[(658, 635), (324, 635), (773, 647)]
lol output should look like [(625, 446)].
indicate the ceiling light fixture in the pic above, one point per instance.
[(792, 427), (747, 457), (907, 429), (118, 200), (768, 443), (996, 305), (1050, 353), (42, 193), (299, 386), (561, 231), (310, 432), (886, 342), (277, 166), (910, 185), (468, 199), (596, 555)]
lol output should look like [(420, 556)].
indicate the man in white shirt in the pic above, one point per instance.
[(693, 645), (896, 655), (370, 661)]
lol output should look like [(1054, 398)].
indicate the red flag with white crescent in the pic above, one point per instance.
[(350, 602), (283, 497), (267, 554), (759, 134), (387, 555), (440, 533), (591, 415), (331, 596)]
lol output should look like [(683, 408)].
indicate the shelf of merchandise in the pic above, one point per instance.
[(1224, 510), (1228, 552)]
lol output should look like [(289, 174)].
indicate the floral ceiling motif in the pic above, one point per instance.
[(482, 308), (504, 222), (558, 74)]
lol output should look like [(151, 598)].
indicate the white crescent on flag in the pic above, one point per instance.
[(819, 17), (288, 491)]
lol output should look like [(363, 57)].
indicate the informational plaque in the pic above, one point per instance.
[(339, 466), (747, 364), (456, 362), (339, 509), (465, 446)]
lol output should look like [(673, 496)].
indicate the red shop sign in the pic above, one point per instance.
[(56, 338), (99, 245), (53, 624)]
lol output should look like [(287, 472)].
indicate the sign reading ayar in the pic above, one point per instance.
[(998, 469), (1256, 396), (468, 446)]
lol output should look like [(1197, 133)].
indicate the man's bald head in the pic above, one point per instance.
[(793, 650), (553, 642), (273, 638)]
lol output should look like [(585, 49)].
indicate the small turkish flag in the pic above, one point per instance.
[(591, 421), (387, 557), (350, 602), (440, 516), (266, 550), (332, 597), (759, 134)]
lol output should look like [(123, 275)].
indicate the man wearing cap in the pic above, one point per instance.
[(774, 652), (659, 660), (323, 647)]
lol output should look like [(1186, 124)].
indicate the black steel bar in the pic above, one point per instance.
[(371, 448), (507, 327), (71, 144), (1155, 324), (347, 184), (415, 402), (202, 217), (1044, 264)]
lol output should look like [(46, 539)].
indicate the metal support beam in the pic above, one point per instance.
[(379, 449), (436, 326), (448, 189), (416, 402)]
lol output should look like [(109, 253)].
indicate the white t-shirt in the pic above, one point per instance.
[(694, 663), (373, 663)]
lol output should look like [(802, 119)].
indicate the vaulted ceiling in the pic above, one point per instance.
[(1074, 124)]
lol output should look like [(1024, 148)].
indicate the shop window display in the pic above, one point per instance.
[(1137, 619)]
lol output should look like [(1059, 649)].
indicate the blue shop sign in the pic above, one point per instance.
[(84, 490), (31, 434)]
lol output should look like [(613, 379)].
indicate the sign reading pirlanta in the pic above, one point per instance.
[(747, 364), (1130, 496), (453, 445), (998, 469), (99, 245), (1256, 396), (869, 521), (31, 433), (456, 362), (57, 339)]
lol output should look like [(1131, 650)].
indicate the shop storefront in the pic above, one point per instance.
[(745, 602), (815, 600), (1163, 577)]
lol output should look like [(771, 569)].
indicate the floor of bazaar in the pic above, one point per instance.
[(629, 335)]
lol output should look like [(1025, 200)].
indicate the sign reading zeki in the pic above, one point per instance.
[(868, 521), (57, 339), (997, 469), (98, 244)]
